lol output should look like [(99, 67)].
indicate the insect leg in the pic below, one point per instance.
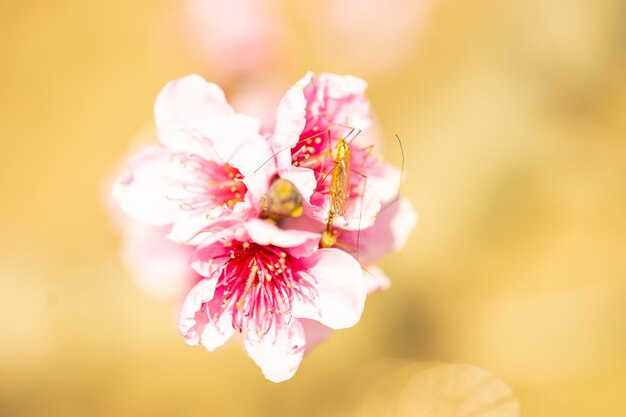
[(358, 233)]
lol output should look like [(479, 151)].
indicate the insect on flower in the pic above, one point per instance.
[(339, 191), (330, 154), (340, 186), (280, 282)]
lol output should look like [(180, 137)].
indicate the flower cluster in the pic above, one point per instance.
[(247, 211)]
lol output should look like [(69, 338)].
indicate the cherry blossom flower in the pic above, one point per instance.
[(204, 171), (275, 288), (248, 268), (311, 117)]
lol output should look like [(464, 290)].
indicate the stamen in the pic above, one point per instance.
[(263, 282)]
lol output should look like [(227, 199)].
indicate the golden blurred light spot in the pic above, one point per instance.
[(454, 390)]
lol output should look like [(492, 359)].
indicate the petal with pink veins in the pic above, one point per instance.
[(142, 193), (207, 260), (192, 317), (279, 352), (291, 114), (218, 328), (343, 98), (189, 104), (194, 228)]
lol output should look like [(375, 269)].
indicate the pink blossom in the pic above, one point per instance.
[(275, 288), (311, 117), (237, 37), (203, 173)]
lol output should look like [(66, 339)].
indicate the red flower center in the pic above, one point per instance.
[(259, 283), (209, 183)]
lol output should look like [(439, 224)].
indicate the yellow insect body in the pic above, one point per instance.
[(339, 190), (281, 201)]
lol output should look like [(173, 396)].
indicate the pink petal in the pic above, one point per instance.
[(240, 143), (205, 260), (360, 213), (142, 194), (279, 352), (342, 86), (384, 180), (375, 279), (388, 234), (193, 228), (315, 333), (254, 160), (291, 113), (340, 290), (302, 178), (344, 99), (189, 104), (265, 233), (192, 319), (217, 331)]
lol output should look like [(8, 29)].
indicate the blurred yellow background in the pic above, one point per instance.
[(513, 119)]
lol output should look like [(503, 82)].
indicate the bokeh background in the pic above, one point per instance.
[(513, 120)]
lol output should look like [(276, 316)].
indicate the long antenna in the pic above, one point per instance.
[(401, 166)]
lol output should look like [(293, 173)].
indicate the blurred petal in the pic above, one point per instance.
[(375, 279), (159, 266), (279, 352)]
